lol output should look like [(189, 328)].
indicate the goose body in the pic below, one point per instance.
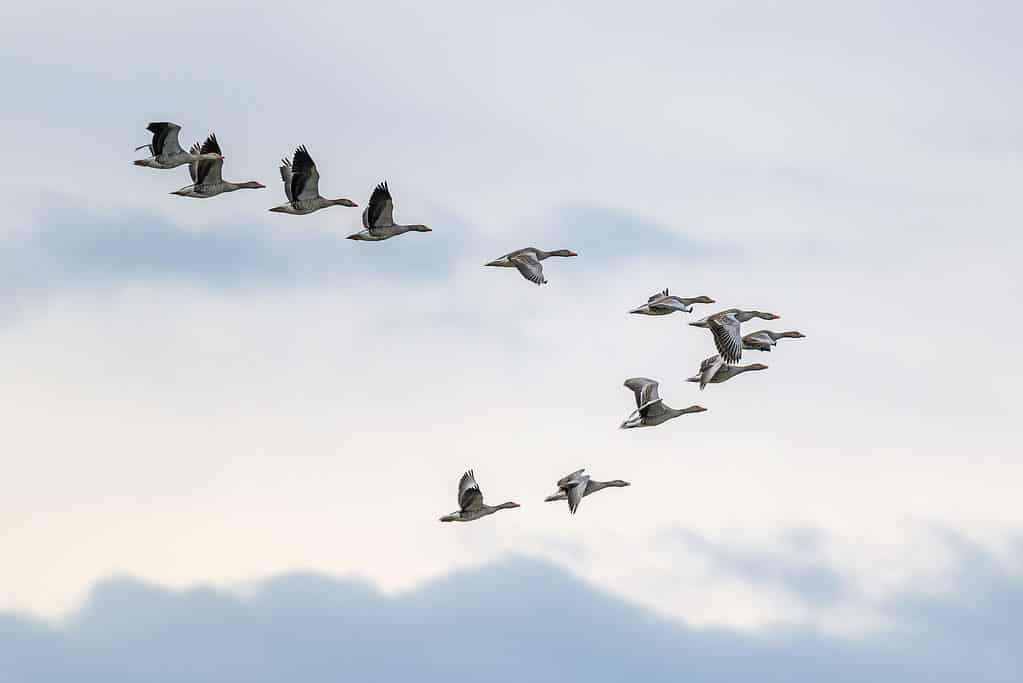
[(207, 180), (650, 409), (662, 303), (725, 327), (714, 370), (527, 261), (470, 502), (576, 486), (763, 340), (165, 150), (302, 186), (378, 218)]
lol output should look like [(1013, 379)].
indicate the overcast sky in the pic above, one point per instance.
[(205, 393)]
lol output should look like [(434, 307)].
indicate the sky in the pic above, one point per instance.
[(234, 415)]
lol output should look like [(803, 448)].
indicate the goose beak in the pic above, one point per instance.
[(493, 263), (276, 209)]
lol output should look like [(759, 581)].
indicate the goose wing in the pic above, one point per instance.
[(647, 398), (193, 165), (305, 179), (209, 172), (655, 297), (575, 493), (570, 479), (727, 339), (286, 177), (529, 267), (469, 495), (708, 368), (165, 138), (379, 213)]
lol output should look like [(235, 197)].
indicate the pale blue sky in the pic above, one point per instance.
[(207, 394)]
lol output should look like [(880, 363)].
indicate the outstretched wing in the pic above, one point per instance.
[(209, 172), (305, 179), (655, 297), (469, 495), (379, 213), (530, 267), (727, 339), (568, 479), (286, 177), (645, 390), (165, 138)]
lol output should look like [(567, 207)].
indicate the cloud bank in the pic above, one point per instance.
[(516, 620)]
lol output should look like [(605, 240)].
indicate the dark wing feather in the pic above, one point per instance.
[(378, 212), (286, 177), (165, 137), (727, 339), (209, 172), (305, 179), (529, 267), (469, 495)]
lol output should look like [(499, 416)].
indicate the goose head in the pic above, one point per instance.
[(702, 300), (693, 409), (618, 482), (211, 156), (420, 228), (343, 202), (508, 506), (562, 252), (453, 517), (251, 185)]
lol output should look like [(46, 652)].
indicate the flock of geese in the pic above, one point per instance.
[(302, 190)]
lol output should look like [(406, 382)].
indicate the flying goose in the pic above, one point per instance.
[(576, 486), (725, 327), (470, 502), (763, 340), (206, 178), (302, 186), (165, 150), (662, 303), (714, 371), (650, 409), (527, 260), (378, 218)]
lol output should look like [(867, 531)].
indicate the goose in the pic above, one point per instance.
[(378, 218), (763, 340), (650, 409), (662, 303), (714, 370), (576, 486), (725, 326), (206, 178), (302, 186), (165, 150), (527, 260), (470, 502)]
